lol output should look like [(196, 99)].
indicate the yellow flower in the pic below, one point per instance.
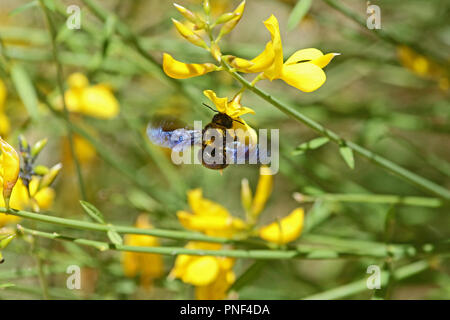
[(263, 191), (84, 151), (20, 199), (422, 66), (209, 217), (9, 169), (303, 70), (180, 70), (212, 276), (286, 230), (148, 265), (235, 110), (92, 100)]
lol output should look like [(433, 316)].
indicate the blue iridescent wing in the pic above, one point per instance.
[(240, 153), (176, 139)]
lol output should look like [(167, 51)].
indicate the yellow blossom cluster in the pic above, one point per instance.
[(147, 265), (212, 276), (302, 70)]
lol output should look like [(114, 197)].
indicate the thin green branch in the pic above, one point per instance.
[(319, 247), (60, 81), (361, 285), (371, 198), (264, 254), (376, 159)]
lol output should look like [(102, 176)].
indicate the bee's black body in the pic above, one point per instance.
[(167, 134)]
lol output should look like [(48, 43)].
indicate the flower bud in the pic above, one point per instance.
[(38, 146), (186, 13), (48, 179), (226, 17), (10, 165), (227, 27), (189, 34), (206, 7), (41, 170), (246, 195)]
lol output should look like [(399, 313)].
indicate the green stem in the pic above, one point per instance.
[(371, 198), (376, 159), (307, 252), (60, 81), (361, 285)]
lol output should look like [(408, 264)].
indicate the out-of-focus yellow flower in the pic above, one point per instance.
[(9, 169), (21, 201), (235, 110), (303, 70), (180, 70), (5, 126), (92, 100), (422, 66), (286, 230), (209, 217), (263, 191), (212, 276), (148, 265)]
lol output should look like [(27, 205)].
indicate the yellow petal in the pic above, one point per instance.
[(304, 76), (304, 55), (286, 230), (202, 206), (258, 64), (10, 169), (324, 60), (201, 271), (45, 198), (148, 265), (246, 195), (189, 34), (220, 103), (99, 102), (73, 101), (77, 81), (204, 222), (179, 70), (235, 109), (276, 69), (5, 127), (6, 219), (263, 191)]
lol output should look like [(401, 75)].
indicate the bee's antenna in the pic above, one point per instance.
[(209, 107), (238, 121)]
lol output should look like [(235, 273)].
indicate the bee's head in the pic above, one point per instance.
[(223, 119)]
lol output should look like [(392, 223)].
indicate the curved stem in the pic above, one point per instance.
[(376, 159)]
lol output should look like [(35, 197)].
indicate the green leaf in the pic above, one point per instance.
[(24, 7), (25, 89), (297, 14), (50, 4), (92, 211), (347, 154), (6, 285), (114, 237), (310, 145)]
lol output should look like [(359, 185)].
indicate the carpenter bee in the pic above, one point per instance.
[(220, 145)]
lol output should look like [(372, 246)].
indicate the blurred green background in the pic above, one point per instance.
[(373, 96)]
